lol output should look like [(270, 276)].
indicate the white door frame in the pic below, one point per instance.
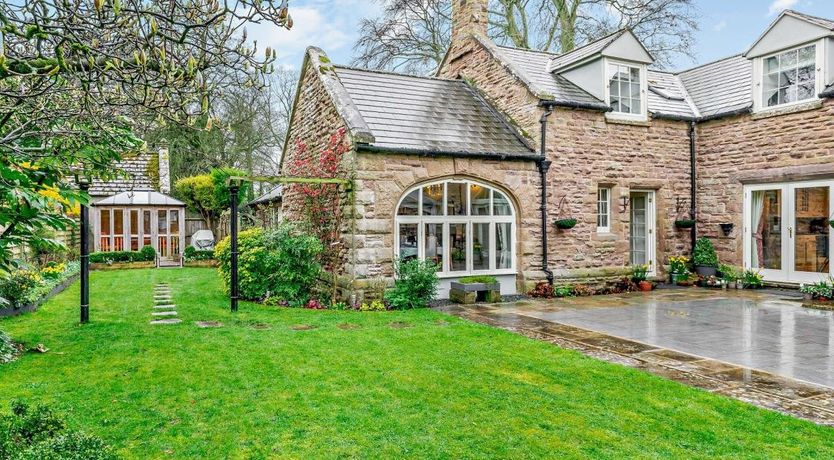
[(651, 228), (788, 214)]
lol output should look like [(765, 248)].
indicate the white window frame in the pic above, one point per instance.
[(759, 102), (468, 219), (607, 227), (644, 87)]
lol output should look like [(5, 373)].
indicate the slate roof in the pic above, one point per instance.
[(428, 114), (586, 51), (143, 198), (822, 22), (273, 194), (534, 65), (719, 87), (136, 169)]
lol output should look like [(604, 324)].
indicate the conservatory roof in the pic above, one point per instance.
[(139, 198)]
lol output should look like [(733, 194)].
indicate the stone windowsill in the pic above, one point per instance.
[(778, 111), (615, 120)]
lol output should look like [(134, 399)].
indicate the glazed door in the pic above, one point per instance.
[(787, 231), (642, 234), (809, 232)]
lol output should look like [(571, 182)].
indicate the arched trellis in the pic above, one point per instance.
[(234, 184)]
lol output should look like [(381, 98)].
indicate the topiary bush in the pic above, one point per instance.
[(415, 285), (38, 433), (146, 254), (704, 254), (282, 263)]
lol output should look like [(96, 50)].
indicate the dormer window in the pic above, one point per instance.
[(790, 77), (626, 90)]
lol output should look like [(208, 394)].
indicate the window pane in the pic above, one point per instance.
[(615, 90), (408, 205), (635, 105), (635, 74), (787, 77), (162, 223), (434, 244), (806, 74), (772, 98), (134, 222), (501, 206), (602, 207), (480, 247), (433, 200), (408, 241), (624, 90), (118, 222), (771, 83), (771, 65), (175, 222), (457, 239), (104, 222), (766, 234), (806, 91), (146, 222), (788, 60), (812, 229), (456, 201), (808, 55), (480, 200), (503, 245)]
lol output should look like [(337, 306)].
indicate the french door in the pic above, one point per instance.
[(787, 231), (642, 229)]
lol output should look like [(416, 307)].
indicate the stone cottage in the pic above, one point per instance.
[(472, 167)]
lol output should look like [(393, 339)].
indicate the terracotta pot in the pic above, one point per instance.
[(645, 286)]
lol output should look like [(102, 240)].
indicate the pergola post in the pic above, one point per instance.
[(233, 190), (85, 258)]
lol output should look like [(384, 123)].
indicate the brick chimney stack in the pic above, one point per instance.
[(469, 17)]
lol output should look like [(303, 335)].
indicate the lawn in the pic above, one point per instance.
[(439, 387)]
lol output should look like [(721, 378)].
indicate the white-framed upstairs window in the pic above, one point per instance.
[(790, 77), (625, 90), (604, 210), (463, 226)]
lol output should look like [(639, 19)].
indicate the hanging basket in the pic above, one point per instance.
[(565, 224), (685, 223)]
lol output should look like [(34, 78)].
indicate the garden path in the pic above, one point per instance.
[(164, 309)]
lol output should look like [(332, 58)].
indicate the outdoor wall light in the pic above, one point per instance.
[(727, 228)]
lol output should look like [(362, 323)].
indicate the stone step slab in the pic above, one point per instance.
[(164, 307), (166, 321), (164, 313)]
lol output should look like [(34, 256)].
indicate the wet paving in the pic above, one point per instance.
[(760, 347)]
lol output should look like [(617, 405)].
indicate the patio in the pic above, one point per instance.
[(760, 347)]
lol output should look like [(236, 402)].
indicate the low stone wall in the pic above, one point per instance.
[(200, 263), (35, 305), (122, 266)]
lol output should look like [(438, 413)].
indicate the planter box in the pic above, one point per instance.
[(34, 306), (474, 292), (123, 265), (200, 263)]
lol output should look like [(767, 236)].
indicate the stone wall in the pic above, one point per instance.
[(753, 149), (382, 179)]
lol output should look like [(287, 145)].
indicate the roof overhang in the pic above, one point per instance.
[(789, 30)]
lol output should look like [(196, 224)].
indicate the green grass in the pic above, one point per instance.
[(442, 388)]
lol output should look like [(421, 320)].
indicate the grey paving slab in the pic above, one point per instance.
[(758, 330)]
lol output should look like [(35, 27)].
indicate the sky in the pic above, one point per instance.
[(727, 27)]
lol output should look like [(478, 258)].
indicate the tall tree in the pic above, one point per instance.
[(70, 71), (412, 35)]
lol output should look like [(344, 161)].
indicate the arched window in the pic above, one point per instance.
[(463, 226)]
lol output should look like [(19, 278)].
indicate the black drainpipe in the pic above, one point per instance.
[(544, 164), (693, 184)]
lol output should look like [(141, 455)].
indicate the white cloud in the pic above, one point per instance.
[(719, 26), (778, 5)]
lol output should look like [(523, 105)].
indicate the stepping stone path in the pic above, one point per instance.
[(164, 310)]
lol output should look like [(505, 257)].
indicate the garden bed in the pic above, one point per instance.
[(200, 263), (122, 265), (32, 306)]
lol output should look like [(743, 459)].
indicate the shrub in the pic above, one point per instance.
[(20, 287), (40, 434), (8, 349), (146, 254), (704, 254), (543, 290), (563, 291), (53, 270), (376, 305), (191, 253), (752, 278), (728, 273), (639, 273), (485, 279), (821, 289), (281, 263), (415, 285)]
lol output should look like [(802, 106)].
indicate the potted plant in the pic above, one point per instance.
[(728, 275), (685, 223), (704, 258), (752, 279), (565, 224), (678, 268), (639, 275)]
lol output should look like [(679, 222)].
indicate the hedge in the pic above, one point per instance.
[(147, 254)]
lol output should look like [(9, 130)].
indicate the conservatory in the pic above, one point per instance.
[(132, 220)]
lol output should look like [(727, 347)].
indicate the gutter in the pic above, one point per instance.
[(428, 153), (549, 104), (544, 165), (673, 117)]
